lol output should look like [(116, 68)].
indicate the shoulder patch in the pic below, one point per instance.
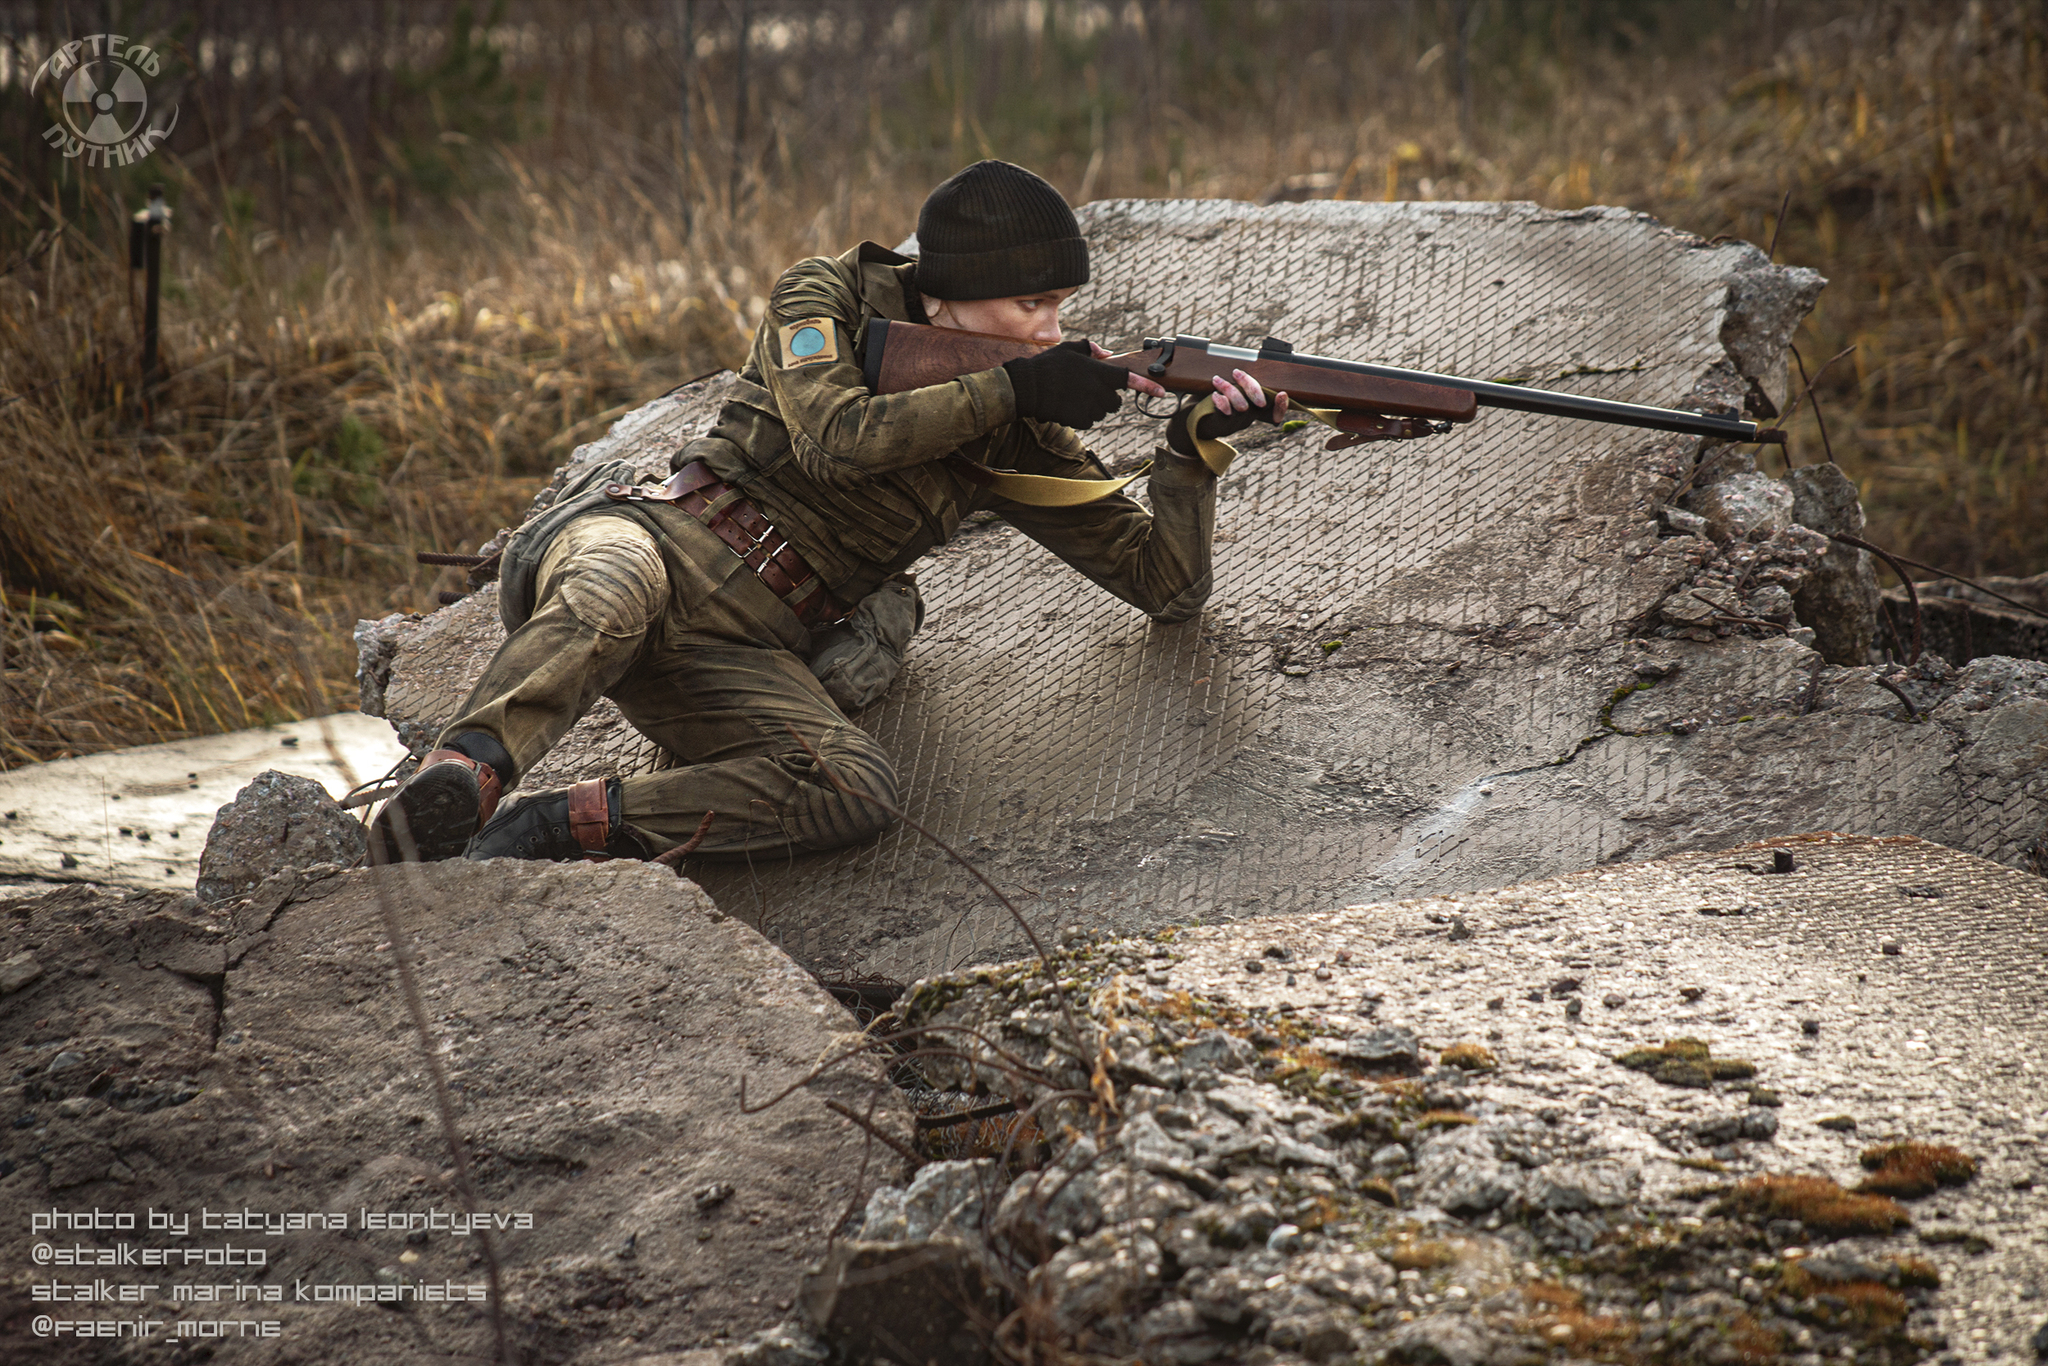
[(809, 341)]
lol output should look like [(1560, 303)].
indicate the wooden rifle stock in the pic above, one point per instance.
[(903, 356)]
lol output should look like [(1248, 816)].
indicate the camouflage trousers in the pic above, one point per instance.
[(695, 670)]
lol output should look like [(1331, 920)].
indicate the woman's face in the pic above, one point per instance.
[(1026, 317)]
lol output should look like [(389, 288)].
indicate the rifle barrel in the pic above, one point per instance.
[(1515, 397)]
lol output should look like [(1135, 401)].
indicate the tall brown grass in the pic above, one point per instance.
[(382, 327)]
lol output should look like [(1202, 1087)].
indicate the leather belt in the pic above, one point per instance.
[(730, 516)]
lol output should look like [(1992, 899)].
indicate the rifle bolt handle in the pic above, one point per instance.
[(1156, 369)]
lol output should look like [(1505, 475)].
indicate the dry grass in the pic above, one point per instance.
[(197, 566), (1427, 1255), (1824, 1207), (1918, 1273), (1472, 1057), (1558, 1315), (1907, 1171), (400, 376), (1848, 1304)]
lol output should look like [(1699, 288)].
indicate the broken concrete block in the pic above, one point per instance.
[(1741, 504), (1961, 624), (1766, 304), (1393, 686), (1839, 597), (594, 1022), (917, 1304), (376, 644), (1682, 523), (1688, 609), (1770, 602), (1996, 681), (1439, 1341), (17, 972), (278, 821), (1389, 1048), (946, 1197)]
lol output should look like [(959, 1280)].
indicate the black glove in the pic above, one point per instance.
[(1212, 427), (1067, 385)]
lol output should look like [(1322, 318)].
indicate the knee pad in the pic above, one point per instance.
[(823, 817), (608, 573)]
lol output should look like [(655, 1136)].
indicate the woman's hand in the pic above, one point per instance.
[(1245, 395), (1141, 383), (1240, 401)]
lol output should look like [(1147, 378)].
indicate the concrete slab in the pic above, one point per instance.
[(139, 817), (611, 1041), (1410, 678), (1884, 990)]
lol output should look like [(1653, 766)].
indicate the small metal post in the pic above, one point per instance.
[(145, 253), (742, 22)]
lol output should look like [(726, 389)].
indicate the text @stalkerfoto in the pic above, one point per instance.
[(132, 1248)]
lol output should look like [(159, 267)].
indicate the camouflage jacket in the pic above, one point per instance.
[(858, 481)]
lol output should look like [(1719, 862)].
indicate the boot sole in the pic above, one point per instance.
[(437, 810)]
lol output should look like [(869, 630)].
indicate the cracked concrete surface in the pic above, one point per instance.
[(1406, 681), (1859, 992), (594, 1021), (1921, 967)]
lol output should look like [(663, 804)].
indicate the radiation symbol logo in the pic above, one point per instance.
[(105, 102), (104, 113)]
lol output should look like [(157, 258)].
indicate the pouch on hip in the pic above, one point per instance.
[(859, 658)]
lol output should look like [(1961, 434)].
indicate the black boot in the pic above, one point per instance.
[(434, 814), (574, 823)]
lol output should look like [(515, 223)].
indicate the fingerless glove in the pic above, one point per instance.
[(1067, 385), (1213, 426)]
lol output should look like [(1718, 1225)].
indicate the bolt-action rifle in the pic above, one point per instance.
[(1369, 402)]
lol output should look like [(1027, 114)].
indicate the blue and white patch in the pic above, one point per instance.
[(809, 341)]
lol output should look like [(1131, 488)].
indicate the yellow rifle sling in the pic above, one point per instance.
[(1047, 491)]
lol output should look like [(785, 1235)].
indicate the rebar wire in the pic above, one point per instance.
[(1735, 618), (1972, 583), (974, 1114), (1812, 688), (1015, 1067), (401, 958), (1807, 393), (1895, 691), (1912, 594), (1825, 444), (674, 857), (874, 1131), (1771, 252)]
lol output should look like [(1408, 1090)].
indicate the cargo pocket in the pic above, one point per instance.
[(858, 659)]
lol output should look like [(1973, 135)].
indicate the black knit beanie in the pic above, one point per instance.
[(994, 231)]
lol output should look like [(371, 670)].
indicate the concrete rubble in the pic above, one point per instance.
[(278, 823), (1627, 1119), (1525, 648), (595, 1022)]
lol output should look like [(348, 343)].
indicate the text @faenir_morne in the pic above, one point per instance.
[(72, 1241)]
